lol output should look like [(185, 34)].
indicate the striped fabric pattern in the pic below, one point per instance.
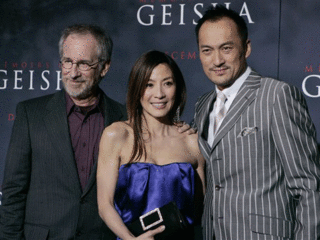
[(263, 170)]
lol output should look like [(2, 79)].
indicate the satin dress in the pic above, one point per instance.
[(143, 187)]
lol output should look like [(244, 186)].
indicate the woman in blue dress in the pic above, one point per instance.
[(145, 162)]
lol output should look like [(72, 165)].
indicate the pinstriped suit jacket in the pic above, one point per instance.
[(263, 168), (42, 196)]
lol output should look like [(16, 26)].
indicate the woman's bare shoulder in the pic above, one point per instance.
[(118, 131), (192, 143), (191, 139)]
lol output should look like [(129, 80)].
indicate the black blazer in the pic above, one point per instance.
[(42, 196)]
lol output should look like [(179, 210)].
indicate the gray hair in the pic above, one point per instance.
[(105, 43)]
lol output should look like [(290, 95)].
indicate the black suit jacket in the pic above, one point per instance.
[(42, 196)]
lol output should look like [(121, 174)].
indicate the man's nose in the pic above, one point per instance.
[(74, 71), (218, 58)]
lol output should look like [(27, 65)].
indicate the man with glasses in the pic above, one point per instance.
[(49, 187)]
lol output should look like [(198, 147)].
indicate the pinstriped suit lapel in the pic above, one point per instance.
[(202, 112), (245, 96), (57, 126)]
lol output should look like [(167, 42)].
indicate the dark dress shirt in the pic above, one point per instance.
[(86, 126)]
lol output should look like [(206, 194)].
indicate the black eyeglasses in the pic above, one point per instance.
[(82, 66)]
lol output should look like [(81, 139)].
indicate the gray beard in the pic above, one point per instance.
[(83, 94)]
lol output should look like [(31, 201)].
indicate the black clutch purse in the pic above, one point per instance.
[(169, 215)]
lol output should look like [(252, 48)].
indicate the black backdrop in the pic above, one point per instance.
[(284, 35)]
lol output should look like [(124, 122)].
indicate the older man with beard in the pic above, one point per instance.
[(49, 187)]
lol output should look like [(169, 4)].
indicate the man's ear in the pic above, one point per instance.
[(105, 69), (248, 48)]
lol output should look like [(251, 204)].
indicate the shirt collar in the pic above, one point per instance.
[(70, 105)]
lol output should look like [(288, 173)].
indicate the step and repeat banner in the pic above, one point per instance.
[(284, 36)]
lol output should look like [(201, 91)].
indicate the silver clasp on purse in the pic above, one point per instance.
[(152, 224)]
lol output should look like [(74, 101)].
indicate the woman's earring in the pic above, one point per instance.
[(176, 118)]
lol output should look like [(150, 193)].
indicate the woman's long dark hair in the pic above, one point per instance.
[(139, 77)]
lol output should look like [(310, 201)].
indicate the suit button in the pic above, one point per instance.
[(78, 233), (217, 187)]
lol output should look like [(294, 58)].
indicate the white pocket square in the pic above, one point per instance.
[(247, 131)]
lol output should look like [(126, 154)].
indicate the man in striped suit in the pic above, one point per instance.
[(258, 140)]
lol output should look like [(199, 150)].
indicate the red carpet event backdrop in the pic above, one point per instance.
[(284, 35)]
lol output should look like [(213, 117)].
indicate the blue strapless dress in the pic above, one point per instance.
[(143, 187)]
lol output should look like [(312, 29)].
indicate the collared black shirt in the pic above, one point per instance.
[(86, 126)]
